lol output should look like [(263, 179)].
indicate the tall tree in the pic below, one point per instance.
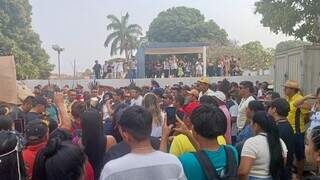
[(255, 57), (182, 24), (299, 18), (18, 39), (285, 45), (124, 36)]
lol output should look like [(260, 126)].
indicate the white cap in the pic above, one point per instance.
[(219, 95)]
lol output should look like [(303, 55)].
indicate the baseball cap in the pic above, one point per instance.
[(204, 80), (194, 92), (36, 130), (188, 109)]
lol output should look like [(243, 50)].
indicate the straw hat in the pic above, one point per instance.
[(204, 80), (292, 84)]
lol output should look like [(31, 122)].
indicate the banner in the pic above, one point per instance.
[(8, 80)]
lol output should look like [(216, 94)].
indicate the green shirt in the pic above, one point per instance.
[(193, 170)]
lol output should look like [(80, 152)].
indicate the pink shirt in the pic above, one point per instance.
[(226, 112)]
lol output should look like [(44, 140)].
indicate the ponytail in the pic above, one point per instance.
[(268, 125)]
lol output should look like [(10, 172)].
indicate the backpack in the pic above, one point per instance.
[(229, 104), (210, 170)]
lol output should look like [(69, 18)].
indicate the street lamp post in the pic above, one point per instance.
[(59, 50)]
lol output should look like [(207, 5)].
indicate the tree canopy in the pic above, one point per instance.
[(124, 36), (182, 24), (285, 45), (255, 57), (299, 18), (18, 39)]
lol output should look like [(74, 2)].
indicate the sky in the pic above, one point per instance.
[(80, 25)]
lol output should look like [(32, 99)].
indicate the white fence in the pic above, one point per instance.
[(116, 83)]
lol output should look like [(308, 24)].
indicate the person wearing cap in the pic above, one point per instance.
[(38, 108), (192, 96), (181, 143), (204, 86), (296, 117), (37, 133)]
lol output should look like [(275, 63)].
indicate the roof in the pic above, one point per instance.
[(157, 48), (173, 44)]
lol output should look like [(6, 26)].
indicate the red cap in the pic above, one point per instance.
[(188, 109)]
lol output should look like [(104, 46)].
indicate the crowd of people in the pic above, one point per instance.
[(222, 130), (170, 67)]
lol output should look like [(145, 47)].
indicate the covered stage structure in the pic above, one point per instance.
[(171, 48)]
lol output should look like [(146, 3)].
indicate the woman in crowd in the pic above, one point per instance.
[(150, 102), (11, 162), (312, 150), (59, 160), (263, 156), (94, 141)]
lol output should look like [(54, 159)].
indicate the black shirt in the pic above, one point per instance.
[(287, 135), (97, 67)]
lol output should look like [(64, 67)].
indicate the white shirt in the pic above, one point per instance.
[(234, 113), (105, 67), (257, 147), (241, 119), (208, 93), (137, 101), (156, 166)]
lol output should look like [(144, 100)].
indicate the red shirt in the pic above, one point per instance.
[(29, 155)]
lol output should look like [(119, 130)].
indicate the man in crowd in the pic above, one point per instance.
[(192, 96), (136, 98), (246, 94), (37, 134), (296, 117), (72, 97), (38, 108), (208, 123), (135, 129), (97, 70), (18, 114), (204, 87), (105, 69)]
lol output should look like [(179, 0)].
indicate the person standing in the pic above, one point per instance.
[(166, 68), (296, 117), (105, 70), (143, 162), (204, 85), (97, 70), (246, 91), (174, 66)]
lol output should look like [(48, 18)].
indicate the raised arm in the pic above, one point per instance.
[(65, 119)]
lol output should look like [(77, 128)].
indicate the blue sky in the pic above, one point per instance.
[(80, 25)]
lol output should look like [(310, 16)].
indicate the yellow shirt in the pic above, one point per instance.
[(292, 113), (181, 145)]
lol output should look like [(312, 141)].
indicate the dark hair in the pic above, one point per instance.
[(60, 133), (10, 166), (282, 106), (318, 91), (268, 125), (77, 109), (249, 85), (59, 160), (315, 138), (208, 121), (209, 100), (117, 113), (29, 100), (137, 121), (256, 106), (225, 87), (180, 99), (5, 123), (93, 140), (274, 95)]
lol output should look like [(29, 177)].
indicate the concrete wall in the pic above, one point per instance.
[(140, 82)]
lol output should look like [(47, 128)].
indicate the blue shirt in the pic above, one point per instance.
[(193, 169), (245, 134)]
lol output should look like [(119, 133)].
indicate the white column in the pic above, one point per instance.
[(204, 57)]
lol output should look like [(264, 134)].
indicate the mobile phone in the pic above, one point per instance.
[(171, 115)]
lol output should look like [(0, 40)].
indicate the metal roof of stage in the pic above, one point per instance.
[(155, 48)]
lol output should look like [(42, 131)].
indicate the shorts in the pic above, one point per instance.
[(299, 146)]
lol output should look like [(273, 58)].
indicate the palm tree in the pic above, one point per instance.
[(124, 36)]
